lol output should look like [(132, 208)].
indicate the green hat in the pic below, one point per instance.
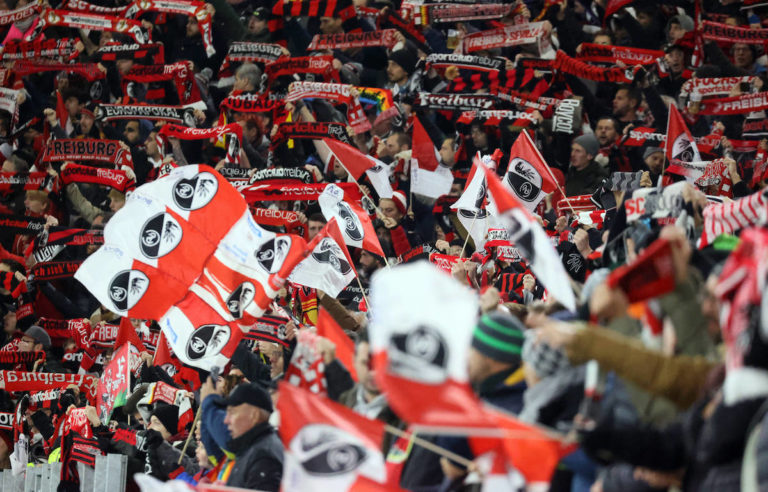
[(500, 337)]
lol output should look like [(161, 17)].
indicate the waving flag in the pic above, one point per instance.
[(420, 344), (328, 446), (328, 267), (530, 239), (356, 226), (356, 163), (471, 205), (680, 145), (425, 145), (528, 176), (115, 384), (345, 347)]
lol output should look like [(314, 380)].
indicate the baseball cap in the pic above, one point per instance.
[(252, 394)]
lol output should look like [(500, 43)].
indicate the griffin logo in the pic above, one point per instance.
[(352, 226), (421, 354), (196, 192), (160, 235), (127, 288), (330, 252), (240, 299), (272, 253), (207, 341)]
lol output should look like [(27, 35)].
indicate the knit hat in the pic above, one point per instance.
[(400, 201), (589, 142), (650, 151), (542, 358), (683, 20), (168, 415), (499, 336), (406, 59), (251, 393), (40, 335)]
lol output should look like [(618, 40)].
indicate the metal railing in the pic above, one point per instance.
[(109, 475)]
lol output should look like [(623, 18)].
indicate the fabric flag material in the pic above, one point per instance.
[(471, 206), (420, 344), (356, 226), (328, 446), (356, 163), (345, 347), (530, 239), (432, 184), (115, 384), (425, 148), (727, 218), (329, 266), (528, 176), (680, 145), (127, 334)]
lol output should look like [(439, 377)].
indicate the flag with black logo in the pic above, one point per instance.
[(528, 176), (356, 163), (420, 342), (471, 206), (680, 145), (329, 266), (356, 227), (327, 445)]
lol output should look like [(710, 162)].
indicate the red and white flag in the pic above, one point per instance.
[(680, 145), (431, 184), (356, 163), (525, 233), (528, 176), (115, 384), (471, 207), (328, 446), (329, 266), (420, 343), (727, 218), (355, 224), (345, 347), (425, 146)]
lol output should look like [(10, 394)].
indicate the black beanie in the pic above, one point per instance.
[(168, 415), (406, 59), (500, 337)]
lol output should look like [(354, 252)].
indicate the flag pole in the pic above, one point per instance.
[(362, 291), (379, 213), (191, 432), (469, 233), (549, 170), (429, 446)]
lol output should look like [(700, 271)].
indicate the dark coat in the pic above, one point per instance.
[(258, 459)]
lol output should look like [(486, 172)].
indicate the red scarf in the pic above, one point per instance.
[(114, 178), (334, 92), (75, 149), (183, 78), (271, 193), (343, 41), (745, 103), (234, 130), (95, 22)]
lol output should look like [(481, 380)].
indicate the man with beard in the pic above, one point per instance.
[(584, 174)]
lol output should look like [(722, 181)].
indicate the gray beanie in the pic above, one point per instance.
[(589, 142), (40, 335), (651, 150)]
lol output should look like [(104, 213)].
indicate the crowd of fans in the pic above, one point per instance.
[(682, 398)]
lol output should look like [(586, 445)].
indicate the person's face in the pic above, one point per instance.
[(456, 189), (192, 28), (106, 37), (241, 84), (579, 157), (338, 170), (675, 32), (8, 167), (86, 122), (392, 146), (330, 25), (479, 137), (368, 262), (313, 227), (131, 132), (478, 367), (395, 73), (621, 103), (605, 132), (447, 154), (742, 56), (139, 419), (150, 144), (27, 344), (116, 204), (365, 372), (644, 19), (602, 39), (155, 424), (256, 25), (675, 59), (654, 162), (201, 456), (73, 106), (389, 209), (34, 205), (240, 419)]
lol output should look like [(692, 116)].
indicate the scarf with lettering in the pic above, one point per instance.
[(21, 224), (500, 37), (179, 72), (10, 16), (250, 103), (8, 281), (464, 62), (347, 40), (234, 130), (261, 192), (244, 51), (570, 65), (270, 329), (271, 217), (95, 22), (75, 149), (318, 65), (601, 53), (494, 117), (724, 33), (314, 130), (716, 86), (10, 182), (61, 329), (60, 49), (391, 17), (281, 175), (133, 51), (49, 243), (114, 178), (452, 102), (716, 174), (745, 103), (333, 92), (17, 381), (21, 357), (89, 71), (455, 12), (528, 101), (53, 270), (175, 114)]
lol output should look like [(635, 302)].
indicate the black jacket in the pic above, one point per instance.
[(258, 459)]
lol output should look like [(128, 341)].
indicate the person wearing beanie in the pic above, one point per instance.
[(34, 339), (584, 174), (165, 420), (402, 63), (494, 360), (164, 445), (653, 158), (401, 227)]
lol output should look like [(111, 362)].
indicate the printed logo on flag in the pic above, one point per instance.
[(272, 253), (240, 299), (327, 451), (127, 288), (682, 150), (524, 179), (330, 252), (160, 235), (207, 341), (196, 192), (352, 225), (420, 355)]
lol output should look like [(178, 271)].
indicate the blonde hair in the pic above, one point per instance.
[(38, 195)]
